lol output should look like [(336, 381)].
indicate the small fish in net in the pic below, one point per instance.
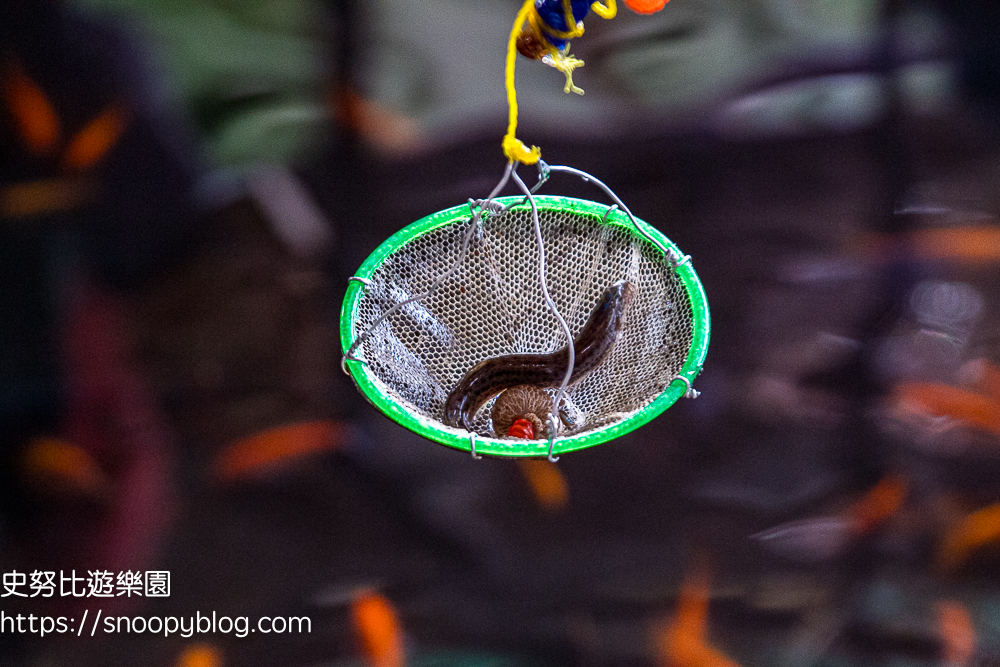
[(493, 376)]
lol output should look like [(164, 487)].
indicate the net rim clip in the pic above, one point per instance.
[(553, 432), (689, 392)]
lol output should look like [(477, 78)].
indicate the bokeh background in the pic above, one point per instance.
[(186, 185)]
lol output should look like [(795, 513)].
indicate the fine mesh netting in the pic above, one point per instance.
[(492, 305)]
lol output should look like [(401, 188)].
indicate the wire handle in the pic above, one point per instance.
[(545, 171)]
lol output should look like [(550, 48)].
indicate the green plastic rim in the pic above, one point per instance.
[(459, 438)]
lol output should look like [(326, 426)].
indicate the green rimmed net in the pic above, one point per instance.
[(491, 304)]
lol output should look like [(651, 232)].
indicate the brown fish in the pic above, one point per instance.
[(488, 378)]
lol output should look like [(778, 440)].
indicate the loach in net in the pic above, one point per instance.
[(486, 300)]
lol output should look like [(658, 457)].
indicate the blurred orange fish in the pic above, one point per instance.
[(270, 449), (378, 630), (683, 641), (37, 121), (200, 655), (821, 538), (941, 399), (877, 505), (57, 466), (35, 118), (974, 531), (957, 633), (98, 137), (547, 482), (970, 244), (379, 125)]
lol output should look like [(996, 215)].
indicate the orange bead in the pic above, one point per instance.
[(646, 6)]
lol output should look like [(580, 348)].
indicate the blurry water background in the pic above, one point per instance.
[(172, 398)]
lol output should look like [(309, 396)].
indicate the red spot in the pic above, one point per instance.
[(521, 428)]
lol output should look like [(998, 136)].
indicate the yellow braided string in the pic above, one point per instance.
[(514, 148)]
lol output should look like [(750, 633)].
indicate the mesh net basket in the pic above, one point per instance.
[(492, 304)]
